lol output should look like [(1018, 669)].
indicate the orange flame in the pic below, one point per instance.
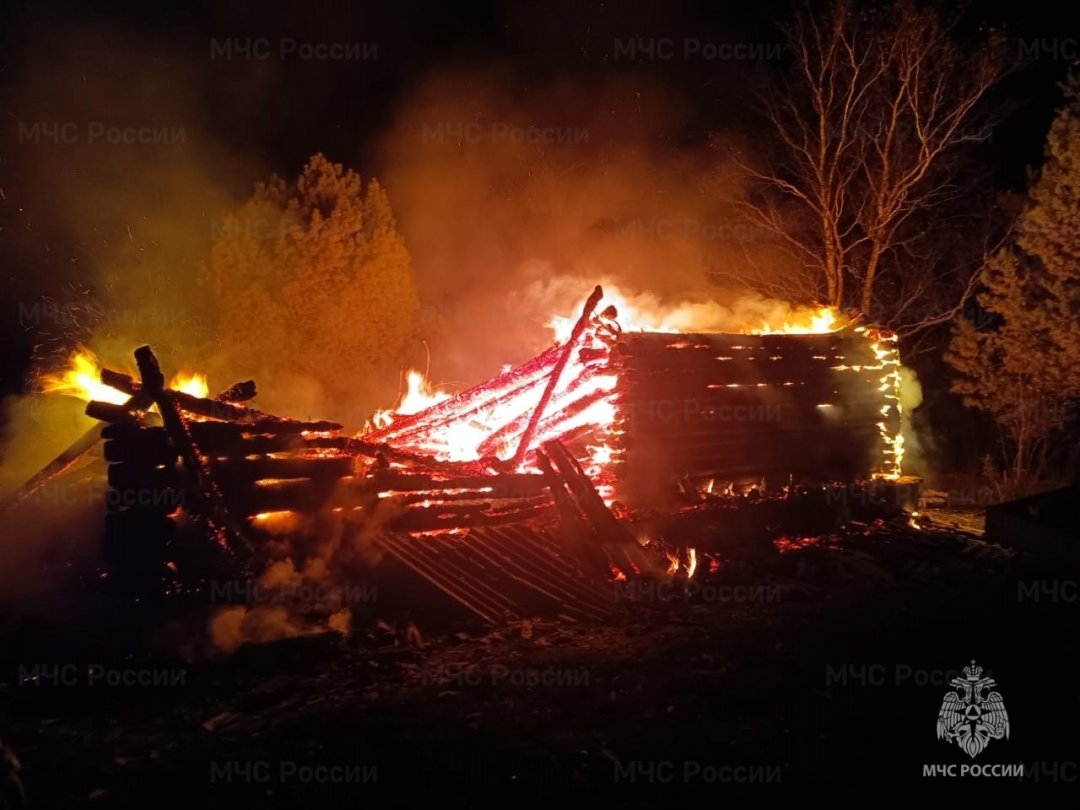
[(82, 380), (643, 313), (419, 394), (191, 383), (813, 322)]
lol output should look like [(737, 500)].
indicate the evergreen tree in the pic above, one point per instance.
[(1023, 363), (313, 281)]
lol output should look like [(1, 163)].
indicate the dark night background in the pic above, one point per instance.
[(279, 112), (249, 118)]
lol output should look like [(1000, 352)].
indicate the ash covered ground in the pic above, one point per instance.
[(820, 668)]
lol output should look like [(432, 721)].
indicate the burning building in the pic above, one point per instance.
[(517, 496)]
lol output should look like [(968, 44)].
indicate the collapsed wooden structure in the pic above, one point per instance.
[(499, 496)]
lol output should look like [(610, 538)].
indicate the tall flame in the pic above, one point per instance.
[(419, 394), (82, 380), (814, 322), (643, 313), (191, 383)]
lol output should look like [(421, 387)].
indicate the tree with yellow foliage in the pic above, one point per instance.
[(313, 281)]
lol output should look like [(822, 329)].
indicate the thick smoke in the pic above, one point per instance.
[(112, 186), (513, 206)]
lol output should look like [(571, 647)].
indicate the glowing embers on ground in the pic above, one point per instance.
[(82, 380), (685, 561), (788, 544)]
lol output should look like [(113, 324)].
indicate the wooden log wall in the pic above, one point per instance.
[(145, 492), (733, 407)]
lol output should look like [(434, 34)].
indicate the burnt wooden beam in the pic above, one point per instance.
[(255, 421), (611, 532), (196, 475), (556, 374), (238, 392)]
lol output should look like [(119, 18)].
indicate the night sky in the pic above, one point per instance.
[(262, 115)]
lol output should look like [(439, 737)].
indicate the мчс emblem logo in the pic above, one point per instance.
[(968, 716)]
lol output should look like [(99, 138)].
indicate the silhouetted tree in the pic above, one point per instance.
[(1023, 363), (866, 124)]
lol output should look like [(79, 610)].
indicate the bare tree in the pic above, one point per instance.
[(868, 124)]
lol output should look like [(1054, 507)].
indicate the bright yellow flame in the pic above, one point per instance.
[(814, 322), (419, 394), (82, 380), (884, 348), (191, 383), (645, 313), (691, 566)]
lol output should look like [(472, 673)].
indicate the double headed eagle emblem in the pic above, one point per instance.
[(968, 716)]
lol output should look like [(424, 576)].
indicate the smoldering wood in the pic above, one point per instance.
[(108, 412), (199, 482), (577, 535), (238, 392), (253, 469), (434, 519), (255, 421), (614, 535), (506, 484), (728, 405), (304, 495)]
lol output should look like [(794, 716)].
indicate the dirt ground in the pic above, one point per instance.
[(821, 668)]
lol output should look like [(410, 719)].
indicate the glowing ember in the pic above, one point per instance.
[(82, 380), (787, 544)]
